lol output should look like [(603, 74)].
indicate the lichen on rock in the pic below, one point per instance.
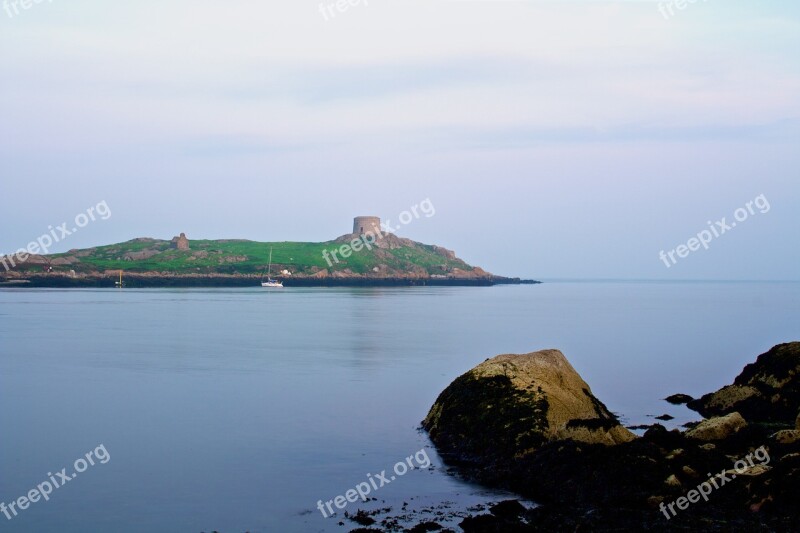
[(511, 405), (767, 389), (717, 428)]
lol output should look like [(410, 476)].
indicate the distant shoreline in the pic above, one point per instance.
[(135, 281)]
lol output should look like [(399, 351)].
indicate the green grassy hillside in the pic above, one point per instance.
[(395, 256)]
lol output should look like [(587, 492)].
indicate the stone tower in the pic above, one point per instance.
[(180, 242), (362, 225)]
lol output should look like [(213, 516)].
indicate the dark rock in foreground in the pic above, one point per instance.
[(512, 405), (768, 389), (736, 472), (717, 428)]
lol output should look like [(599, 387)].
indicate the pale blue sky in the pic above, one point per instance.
[(555, 139)]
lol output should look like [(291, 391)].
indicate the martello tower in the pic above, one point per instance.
[(362, 225)]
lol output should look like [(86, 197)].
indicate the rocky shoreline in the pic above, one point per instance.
[(530, 424), (147, 280)]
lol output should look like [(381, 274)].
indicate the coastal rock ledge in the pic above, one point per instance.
[(768, 389), (511, 405), (530, 424)]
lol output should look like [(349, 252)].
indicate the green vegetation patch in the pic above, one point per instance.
[(250, 257)]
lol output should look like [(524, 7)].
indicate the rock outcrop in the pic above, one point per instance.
[(449, 254), (141, 255), (768, 389), (717, 428), (679, 399), (510, 422), (786, 436), (511, 405)]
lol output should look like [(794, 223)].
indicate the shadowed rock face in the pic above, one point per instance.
[(503, 408), (767, 390), (511, 405)]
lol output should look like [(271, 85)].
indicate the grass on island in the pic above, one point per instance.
[(250, 257)]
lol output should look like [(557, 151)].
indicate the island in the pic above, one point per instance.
[(367, 256)]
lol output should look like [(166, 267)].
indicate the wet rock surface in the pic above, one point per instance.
[(717, 428), (679, 399), (742, 475), (768, 389), (511, 405)]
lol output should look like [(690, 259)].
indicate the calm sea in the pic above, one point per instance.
[(238, 409)]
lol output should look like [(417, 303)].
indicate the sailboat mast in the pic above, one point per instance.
[(271, 283)]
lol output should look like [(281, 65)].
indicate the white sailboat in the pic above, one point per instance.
[(270, 283)]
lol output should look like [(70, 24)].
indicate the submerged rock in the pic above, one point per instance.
[(424, 527), (766, 391), (511, 405), (678, 399)]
